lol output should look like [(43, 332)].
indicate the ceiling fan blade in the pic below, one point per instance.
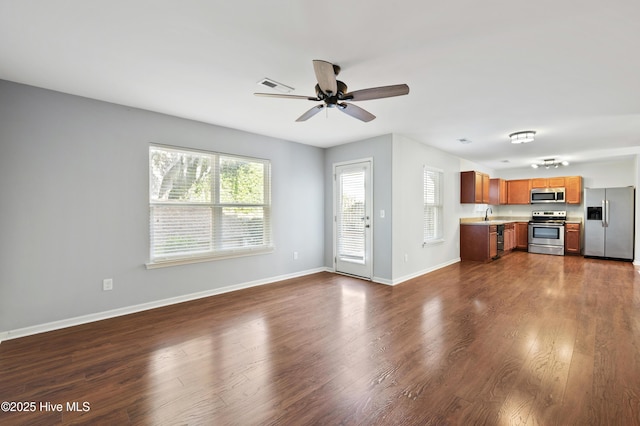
[(356, 112), (313, 111), (326, 76), (276, 95), (377, 92)]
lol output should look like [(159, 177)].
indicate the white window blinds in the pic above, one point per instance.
[(351, 222), (205, 204), (433, 212)]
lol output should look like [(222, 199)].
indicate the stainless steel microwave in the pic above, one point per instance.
[(548, 195)]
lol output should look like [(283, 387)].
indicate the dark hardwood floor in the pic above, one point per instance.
[(526, 340)]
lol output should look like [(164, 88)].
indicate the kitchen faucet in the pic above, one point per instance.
[(486, 213)]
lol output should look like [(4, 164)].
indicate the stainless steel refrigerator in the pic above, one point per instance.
[(609, 222)]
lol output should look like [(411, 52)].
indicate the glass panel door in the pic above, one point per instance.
[(353, 219)]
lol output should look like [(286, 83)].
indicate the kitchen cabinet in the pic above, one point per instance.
[(497, 191), (572, 185), (478, 242), (474, 187), (522, 235), (509, 237), (572, 238), (552, 182), (573, 188), (519, 191)]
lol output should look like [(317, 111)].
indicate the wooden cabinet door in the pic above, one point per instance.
[(522, 235), (572, 238), (507, 239), (485, 188), (510, 237), (474, 187), (475, 242), (573, 185), (497, 191), (552, 182), (556, 182), (469, 186), (539, 183), (519, 191)]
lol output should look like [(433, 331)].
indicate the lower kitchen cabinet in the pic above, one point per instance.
[(509, 236), (478, 242), (572, 238), (522, 235)]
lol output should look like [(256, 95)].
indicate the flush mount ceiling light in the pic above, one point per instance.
[(523, 136), (550, 162)]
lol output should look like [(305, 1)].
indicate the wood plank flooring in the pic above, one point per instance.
[(526, 340)]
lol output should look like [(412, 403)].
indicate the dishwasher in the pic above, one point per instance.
[(500, 236)]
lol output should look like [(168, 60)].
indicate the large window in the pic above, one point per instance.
[(206, 205), (433, 215)]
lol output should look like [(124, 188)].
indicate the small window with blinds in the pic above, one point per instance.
[(433, 211), (207, 205)]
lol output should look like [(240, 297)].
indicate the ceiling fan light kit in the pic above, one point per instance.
[(334, 93), (524, 136)]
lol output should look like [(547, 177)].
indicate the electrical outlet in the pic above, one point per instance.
[(107, 284), (382, 214), (406, 257), (295, 255)]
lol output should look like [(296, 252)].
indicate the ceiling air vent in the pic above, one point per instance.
[(275, 85)]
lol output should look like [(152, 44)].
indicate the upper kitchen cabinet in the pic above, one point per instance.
[(497, 191), (474, 187), (519, 191), (553, 182), (573, 188)]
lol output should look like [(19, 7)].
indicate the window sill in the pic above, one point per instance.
[(433, 242), (164, 263)]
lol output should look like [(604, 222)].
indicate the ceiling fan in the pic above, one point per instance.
[(334, 93)]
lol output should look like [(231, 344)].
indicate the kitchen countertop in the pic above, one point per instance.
[(489, 222), (496, 220), (502, 220)]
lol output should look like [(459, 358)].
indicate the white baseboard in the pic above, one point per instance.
[(424, 271), (84, 319), (397, 281), (382, 281)]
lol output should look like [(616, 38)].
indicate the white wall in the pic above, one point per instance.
[(409, 157), (379, 149), (74, 208)]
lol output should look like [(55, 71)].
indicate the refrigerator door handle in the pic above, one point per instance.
[(607, 213), (604, 215)]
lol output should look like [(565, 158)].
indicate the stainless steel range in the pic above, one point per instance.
[(546, 232)]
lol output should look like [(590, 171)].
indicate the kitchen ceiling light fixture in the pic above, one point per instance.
[(523, 136), (550, 162)]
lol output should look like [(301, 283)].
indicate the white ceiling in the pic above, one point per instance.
[(478, 70)]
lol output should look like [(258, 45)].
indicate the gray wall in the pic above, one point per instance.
[(378, 148), (410, 258), (74, 207)]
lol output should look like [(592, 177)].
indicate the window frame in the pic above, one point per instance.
[(215, 251), (438, 205)]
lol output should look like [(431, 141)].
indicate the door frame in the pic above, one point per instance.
[(368, 209)]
